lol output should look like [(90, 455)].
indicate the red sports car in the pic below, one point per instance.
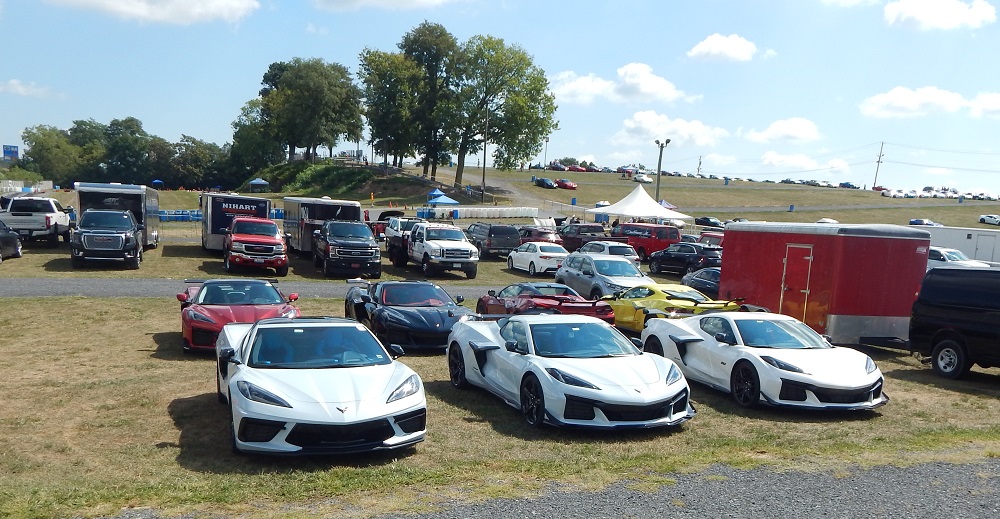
[(576, 167), (540, 298), (207, 306), (565, 183)]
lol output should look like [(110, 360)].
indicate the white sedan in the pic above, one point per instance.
[(537, 256), (767, 358), (316, 386), (991, 219), (568, 370), (642, 177)]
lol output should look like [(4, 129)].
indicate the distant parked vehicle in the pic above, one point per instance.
[(991, 219), (685, 258), (547, 183), (925, 221), (708, 221), (944, 257), (705, 281), (565, 183), (576, 167), (642, 178)]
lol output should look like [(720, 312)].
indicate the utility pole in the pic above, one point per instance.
[(699, 164), (878, 162), (659, 163)]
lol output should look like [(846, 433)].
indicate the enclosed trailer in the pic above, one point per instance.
[(143, 201), (978, 244), (854, 283), (303, 215), (218, 210)]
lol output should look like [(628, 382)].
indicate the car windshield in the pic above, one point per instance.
[(106, 220), (415, 294), (257, 228), (349, 230), (621, 250), (954, 255), (591, 229), (407, 225), (617, 268), (580, 341), (552, 249), (238, 293), (762, 333), (446, 234), (503, 231), (315, 347), (691, 295)]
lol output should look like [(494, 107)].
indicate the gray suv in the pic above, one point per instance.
[(493, 238), (600, 275)]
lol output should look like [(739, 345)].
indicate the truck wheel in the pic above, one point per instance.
[(949, 359), (377, 274), (54, 237), (66, 236), (689, 269), (281, 271), (398, 258), (426, 268), (642, 254), (471, 274), (137, 260), (317, 261)]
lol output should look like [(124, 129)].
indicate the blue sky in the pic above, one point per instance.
[(806, 89)]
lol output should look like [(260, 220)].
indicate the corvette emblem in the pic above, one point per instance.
[(342, 409)]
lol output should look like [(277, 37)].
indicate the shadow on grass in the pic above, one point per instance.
[(204, 445), (722, 403), (976, 382), (483, 406), (169, 346)]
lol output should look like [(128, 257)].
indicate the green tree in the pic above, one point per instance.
[(127, 157), (389, 81), (434, 50), (50, 154), (254, 146), (196, 160)]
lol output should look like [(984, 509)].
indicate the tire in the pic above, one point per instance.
[(66, 237), (377, 274), (317, 261), (53, 239), (532, 401), (642, 254), (281, 271), (531, 269), (398, 258), (18, 252), (687, 270), (226, 264), (426, 268), (982, 220), (949, 359), (596, 294), (510, 263), (744, 385), (456, 367), (653, 346), (135, 262), (347, 310), (471, 274), (218, 389), (654, 266)]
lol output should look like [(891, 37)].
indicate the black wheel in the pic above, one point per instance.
[(596, 294), (17, 249), (456, 367), (471, 274), (654, 266), (532, 401), (317, 261), (949, 359), (398, 258), (66, 237), (136, 260), (642, 254), (377, 274), (744, 383), (510, 263), (54, 237), (426, 268), (982, 220), (653, 346), (347, 309), (226, 264), (689, 269), (281, 271), (531, 269)]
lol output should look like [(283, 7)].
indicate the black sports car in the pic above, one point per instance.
[(10, 243), (412, 314)]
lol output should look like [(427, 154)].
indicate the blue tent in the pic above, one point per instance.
[(443, 200), (434, 194), (259, 185)]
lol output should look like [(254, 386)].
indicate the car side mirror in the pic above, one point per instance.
[(510, 345), (140, 227), (460, 299), (293, 297), (229, 355), (365, 298), (182, 297), (491, 293), (721, 337), (316, 232), (396, 350)]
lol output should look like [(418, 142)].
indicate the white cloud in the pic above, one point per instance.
[(178, 12), (769, 53), (793, 129), (353, 5), (16, 87), (903, 102), (636, 82), (647, 126), (802, 162), (940, 14), (985, 104), (315, 29), (716, 159), (733, 47)]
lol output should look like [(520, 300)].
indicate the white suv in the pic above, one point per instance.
[(600, 275), (613, 248)]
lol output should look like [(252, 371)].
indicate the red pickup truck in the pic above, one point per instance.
[(255, 242), (574, 235)]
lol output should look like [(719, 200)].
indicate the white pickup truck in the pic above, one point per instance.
[(37, 217), (438, 247)]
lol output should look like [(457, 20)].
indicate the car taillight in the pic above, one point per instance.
[(48, 222), (545, 257)]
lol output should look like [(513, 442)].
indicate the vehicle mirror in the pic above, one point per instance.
[(140, 227), (396, 351), (588, 272), (182, 297), (365, 298), (721, 337), (316, 232), (827, 338), (293, 297), (510, 345), (491, 293), (460, 299), (229, 355)]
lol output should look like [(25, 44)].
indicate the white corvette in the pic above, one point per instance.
[(568, 370), (767, 358), (316, 386)]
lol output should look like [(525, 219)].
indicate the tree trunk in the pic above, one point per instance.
[(463, 148), (291, 152)]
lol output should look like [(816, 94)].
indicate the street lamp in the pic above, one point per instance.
[(486, 137), (546, 156), (659, 162)]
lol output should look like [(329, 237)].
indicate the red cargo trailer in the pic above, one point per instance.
[(854, 283)]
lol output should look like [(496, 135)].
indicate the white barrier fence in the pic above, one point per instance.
[(476, 212)]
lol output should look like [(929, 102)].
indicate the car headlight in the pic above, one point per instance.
[(236, 247), (780, 364), (615, 288), (291, 312), (196, 316), (870, 365), (76, 238), (674, 375), (568, 379), (256, 394), (280, 249), (378, 255), (409, 387), (435, 252)]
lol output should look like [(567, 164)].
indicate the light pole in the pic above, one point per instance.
[(659, 162), (546, 156), (486, 137)]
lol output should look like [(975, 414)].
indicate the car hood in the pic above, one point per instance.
[(627, 371), (831, 367), (256, 238), (434, 318), (351, 242), (223, 314), (629, 281), (333, 386)]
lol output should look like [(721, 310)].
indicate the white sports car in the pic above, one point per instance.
[(767, 358), (316, 386), (991, 219), (568, 370)]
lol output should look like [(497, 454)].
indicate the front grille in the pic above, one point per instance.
[(414, 339), (796, 391), (257, 430), (203, 337), (413, 421), (457, 253), (103, 241), (583, 409), (340, 436), (258, 249), (354, 253)]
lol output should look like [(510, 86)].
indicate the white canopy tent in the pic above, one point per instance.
[(639, 204)]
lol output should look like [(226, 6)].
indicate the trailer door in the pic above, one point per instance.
[(984, 247), (795, 280)]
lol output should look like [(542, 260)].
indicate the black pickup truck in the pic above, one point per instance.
[(574, 235), (346, 247)]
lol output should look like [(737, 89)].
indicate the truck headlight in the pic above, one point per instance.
[(436, 253), (378, 255), (76, 238), (475, 254), (279, 249), (236, 247)]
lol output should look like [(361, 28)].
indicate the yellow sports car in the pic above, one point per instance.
[(636, 305)]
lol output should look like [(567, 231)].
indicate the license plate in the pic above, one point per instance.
[(355, 265), (457, 265), (25, 233), (258, 261)]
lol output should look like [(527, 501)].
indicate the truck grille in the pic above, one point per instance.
[(354, 253), (259, 249), (103, 241), (457, 254)]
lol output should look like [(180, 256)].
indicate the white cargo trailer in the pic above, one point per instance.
[(303, 215), (218, 210), (976, 243)]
